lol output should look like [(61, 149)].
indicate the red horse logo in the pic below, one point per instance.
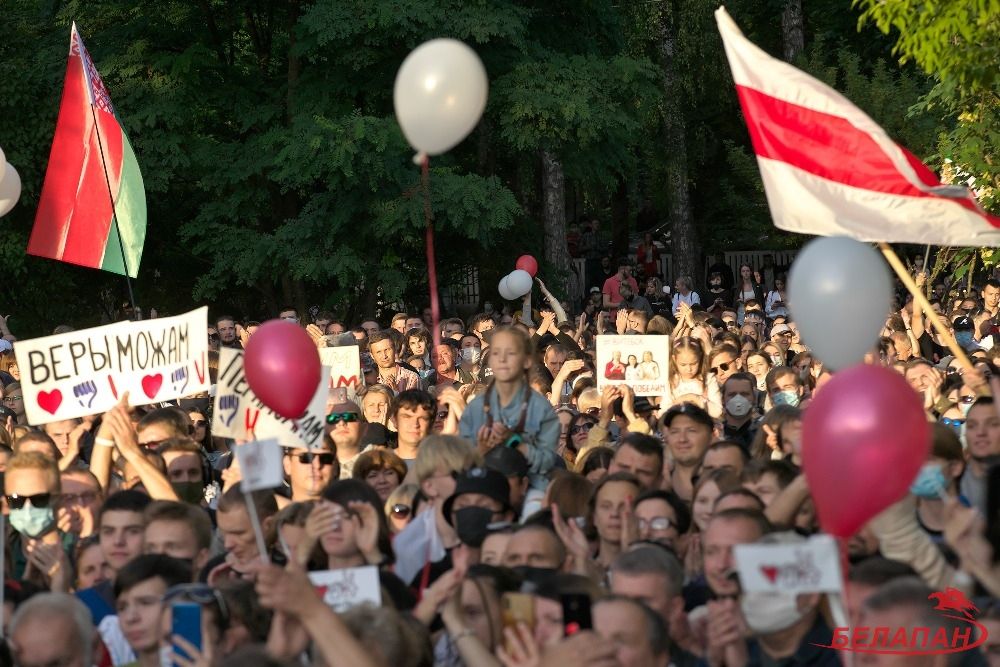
[(952, 599)]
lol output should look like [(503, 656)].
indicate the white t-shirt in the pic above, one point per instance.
[(691, 299)]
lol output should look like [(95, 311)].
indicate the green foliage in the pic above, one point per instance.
[(275, 171), (958, 43)]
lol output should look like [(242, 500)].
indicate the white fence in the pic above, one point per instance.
[(465, 292)]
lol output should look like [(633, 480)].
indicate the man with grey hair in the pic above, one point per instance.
[(52, 629), (654, 576), (634, 629), (904, 602)]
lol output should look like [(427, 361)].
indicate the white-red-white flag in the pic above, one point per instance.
[(829, 169)]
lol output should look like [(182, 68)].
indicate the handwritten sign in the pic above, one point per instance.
[(85, 372), (260, 465), (350, 586), (806, 567), (640, 362), (345, 368), (238, 413)]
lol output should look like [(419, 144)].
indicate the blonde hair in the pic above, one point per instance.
[(404, 493), (35, 461), (444, 451)]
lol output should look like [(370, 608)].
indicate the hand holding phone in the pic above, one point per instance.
[(186, 623)]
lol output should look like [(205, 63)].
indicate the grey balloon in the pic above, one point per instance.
[(839, 293)]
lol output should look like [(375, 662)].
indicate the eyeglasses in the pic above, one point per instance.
[(337, 417), (443, 414), (582, 427), (401, 510), (201, 594), (656, 523), (954, 423), (12, 399), (84, 499), (38, 500), (722, 367), (306, 458), (198, 423)]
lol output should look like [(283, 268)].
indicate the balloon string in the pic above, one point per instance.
[(425, 180), (845, 566)]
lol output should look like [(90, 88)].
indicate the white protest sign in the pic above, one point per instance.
[(345, 368), (350, 586), (807, 567), (641, 362), (85, 372), (260, 465), (238, 413)]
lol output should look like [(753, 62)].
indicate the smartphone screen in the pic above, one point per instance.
[(186, 622), (576, 613), (517, 608)]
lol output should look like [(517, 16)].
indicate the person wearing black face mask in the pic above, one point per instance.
[(481, 497)]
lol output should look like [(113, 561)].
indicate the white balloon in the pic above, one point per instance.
[(839, 293), (439, 95), (520, 282), (504, 289), (10, 189)]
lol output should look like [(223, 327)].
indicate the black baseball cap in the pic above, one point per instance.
[(507, 461), (485, 481), (963, 323), (689, 410)]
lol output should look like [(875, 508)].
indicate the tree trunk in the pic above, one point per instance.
[(554, 206), (683, 239), (792, 29), (619, 219)]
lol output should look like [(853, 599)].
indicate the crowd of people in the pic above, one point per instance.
[(518, 515)]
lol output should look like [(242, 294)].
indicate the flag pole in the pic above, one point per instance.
[(920, 300), (114, 212)]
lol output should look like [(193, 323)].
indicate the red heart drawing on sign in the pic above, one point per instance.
[(151, 384), (770, 571), (50, 400)]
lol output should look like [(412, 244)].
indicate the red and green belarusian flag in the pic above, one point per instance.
[(91, 165)]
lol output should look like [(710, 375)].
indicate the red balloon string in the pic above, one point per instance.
[(425, 179)]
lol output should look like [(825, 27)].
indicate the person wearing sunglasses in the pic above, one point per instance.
[(723, 361), (400, 506), (345, 426), (39, 551), (308, 471)]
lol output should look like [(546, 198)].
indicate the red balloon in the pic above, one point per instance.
[(527, 263), (864, 438), (282, 367)]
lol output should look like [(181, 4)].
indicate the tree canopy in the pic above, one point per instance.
[(276, 173)]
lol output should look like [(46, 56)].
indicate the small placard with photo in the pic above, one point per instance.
[(641, 362)]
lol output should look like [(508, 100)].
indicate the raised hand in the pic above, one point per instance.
[(366, 529), (317, 335)]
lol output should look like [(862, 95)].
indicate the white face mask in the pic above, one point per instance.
[(767, 613), (471, 355), (738, 406)]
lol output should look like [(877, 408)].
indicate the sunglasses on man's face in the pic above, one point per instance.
[(337, 417), (722, 367), (306, 458), (39, 500)]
